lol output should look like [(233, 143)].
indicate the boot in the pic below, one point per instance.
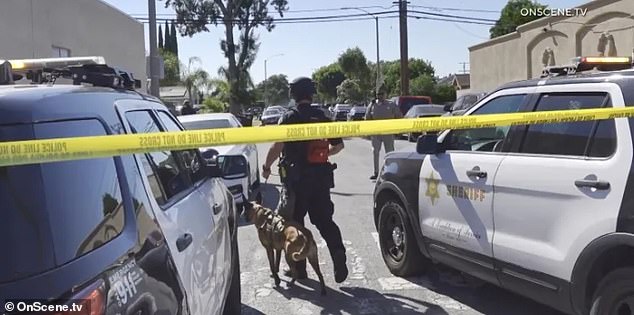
[(339, 262)]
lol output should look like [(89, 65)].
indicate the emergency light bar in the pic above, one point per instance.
[(20, 65), (92, 70), (580, 64)]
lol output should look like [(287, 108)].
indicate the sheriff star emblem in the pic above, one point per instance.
[(432, 188)]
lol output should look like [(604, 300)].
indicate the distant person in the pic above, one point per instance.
[(187, 109), (382, 109)]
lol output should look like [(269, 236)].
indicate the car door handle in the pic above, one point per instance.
[(598, 184), (184, 241), (217, 208), (477, 173)]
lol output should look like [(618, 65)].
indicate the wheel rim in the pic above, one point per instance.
[(394, 237), (624, 306)]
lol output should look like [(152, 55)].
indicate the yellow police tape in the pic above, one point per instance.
[(63, 149)]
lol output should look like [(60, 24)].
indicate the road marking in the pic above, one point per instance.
[(375, 236), (397, 283)]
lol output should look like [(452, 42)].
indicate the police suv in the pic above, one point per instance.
[(544, 210), (148, 233)]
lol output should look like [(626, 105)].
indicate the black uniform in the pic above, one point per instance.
[(306, 186), (188, 110)]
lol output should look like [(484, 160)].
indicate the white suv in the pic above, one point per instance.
[(544, 210)]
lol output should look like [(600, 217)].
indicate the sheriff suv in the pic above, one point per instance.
[(544, 210), (151, 233)]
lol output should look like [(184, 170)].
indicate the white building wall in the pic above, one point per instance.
[(30, 29)]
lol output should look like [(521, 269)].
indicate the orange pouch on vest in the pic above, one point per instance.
[(318, 151)]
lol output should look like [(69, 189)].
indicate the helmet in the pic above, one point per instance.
[(302, 88)]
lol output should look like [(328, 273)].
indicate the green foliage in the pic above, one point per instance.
[(354, 64), (444, 93), (160, 38), (327, 80), (214, 105), (350, 91), (167, 44), (511, 17), (423, 85), (392, 72), (174, 39), (274, 91), (171, 66), (194, 78), (195, 16)]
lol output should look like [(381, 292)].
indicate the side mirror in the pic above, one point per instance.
[(428, 144), (212, 168), (447, 107)]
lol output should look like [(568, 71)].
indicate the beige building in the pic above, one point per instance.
[(607, 29), (62, 28)]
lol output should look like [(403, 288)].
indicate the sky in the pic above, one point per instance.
[(307, 47)]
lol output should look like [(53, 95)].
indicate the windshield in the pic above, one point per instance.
[(272, 111), (207, 124)]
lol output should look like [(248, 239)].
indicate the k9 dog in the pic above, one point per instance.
[(276, 235)]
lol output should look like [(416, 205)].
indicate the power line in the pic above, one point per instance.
[(468, 32), (454, 16), (448, 20), (306, 18), (291, 11), (453, 9)]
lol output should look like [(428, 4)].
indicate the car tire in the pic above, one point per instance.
[(410, 137), (613, 293), (398, 243), (233, 303)]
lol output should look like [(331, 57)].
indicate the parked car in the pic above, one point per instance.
[(404, 103), (340, 112), (463, 103), (357, 113), (239, 163), (544, 210), (152, 233), (272, 115), (418, 111)]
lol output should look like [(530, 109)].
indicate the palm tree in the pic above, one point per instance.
[(194, 78)]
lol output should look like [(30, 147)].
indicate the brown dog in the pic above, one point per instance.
[(276, 235)]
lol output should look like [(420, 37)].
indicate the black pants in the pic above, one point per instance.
[(311, 196)]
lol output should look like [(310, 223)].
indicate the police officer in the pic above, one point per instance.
[(187, 109), (307, 176), (382, 109)]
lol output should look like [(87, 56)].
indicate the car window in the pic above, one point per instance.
[(192, 161), (162, 168), (571, 138), (486, 139), (208, 124), (55, 212), (467, 101)]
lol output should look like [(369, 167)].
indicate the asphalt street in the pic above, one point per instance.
[(370, 288)]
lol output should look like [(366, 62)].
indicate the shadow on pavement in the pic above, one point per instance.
[(248, 310), (357, 300), (478, 295), (350, 194)]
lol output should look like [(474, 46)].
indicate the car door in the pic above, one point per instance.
[(251, 153), (179, 209), (456, 190), (213, 259), (561, 189)]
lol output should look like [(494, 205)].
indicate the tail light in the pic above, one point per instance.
[(89, 301)]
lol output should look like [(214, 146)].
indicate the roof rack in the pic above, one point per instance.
[(92, 70), (581, 64)]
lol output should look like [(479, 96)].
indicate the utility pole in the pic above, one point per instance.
[(266, 78), (404, 49), (154, 65), (464, 66)]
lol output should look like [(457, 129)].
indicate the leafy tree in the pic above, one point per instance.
[(214, 105), (274, 90), (350, 91), (171, 66), (160, 38), (327, 79), (174, 39), (392, 73), (444, 93), (194, 16), (110, 204), (193, 78), (354, 64), (423, 85), (511, 16), (168, 43)]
